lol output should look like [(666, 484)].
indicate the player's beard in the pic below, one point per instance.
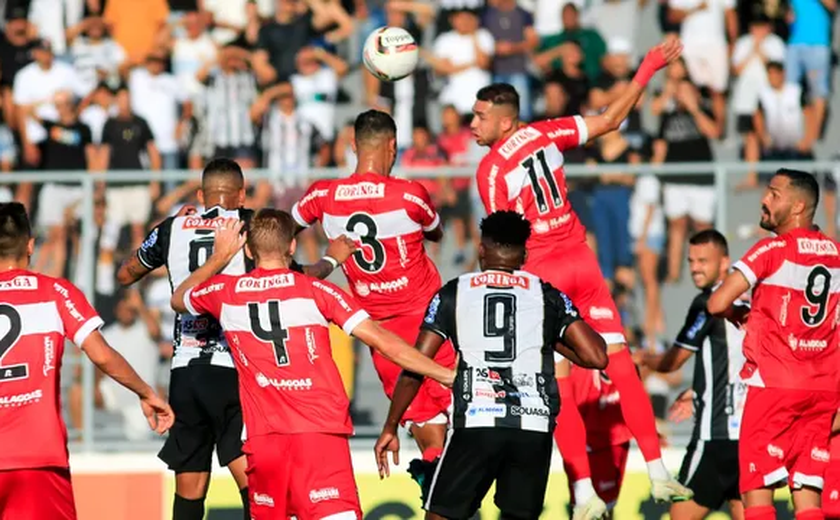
[(767, 221)]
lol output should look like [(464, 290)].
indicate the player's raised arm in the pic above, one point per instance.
[(337, 253), (149, 256)]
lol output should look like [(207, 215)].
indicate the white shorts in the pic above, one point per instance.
[(128, 205), (708, 65), (55, 201), (689, 200)]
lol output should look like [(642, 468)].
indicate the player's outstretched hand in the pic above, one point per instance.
[(229, 238), (158, 413), (660, 56), (387, 442), (341, 248), (683, 407)]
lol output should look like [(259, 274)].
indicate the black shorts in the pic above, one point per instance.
[(710, 469), (460, 210), (473, 458), (744, 124), (205, 399)]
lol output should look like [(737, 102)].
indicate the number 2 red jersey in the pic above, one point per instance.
[(36, 313), (390, 274), (524, 173), (276, 323), (597, 399), (791, 339)]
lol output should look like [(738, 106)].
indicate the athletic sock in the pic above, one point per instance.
[(810, 514), (186, 509), (657, 470), (635, 403), (246, 503), (760, 513), (430, 454), (583, 491), (570, 434)]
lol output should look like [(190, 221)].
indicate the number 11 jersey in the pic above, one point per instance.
[(390, 274)]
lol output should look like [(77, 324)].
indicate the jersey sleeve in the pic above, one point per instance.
[(154, 250), (565, 132), (696, 327), (492, 188), (337, 306), (419, 205), (78, 317), (310, 208), (440, 313), (762, 260), (559, 309), (206, 298)]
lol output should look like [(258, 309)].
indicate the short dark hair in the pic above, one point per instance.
[(804, 182), (777, 65), (710, 236), (15, 230), (506, 229), (500, 94), (222, 168), (270, 231), (372, 125)]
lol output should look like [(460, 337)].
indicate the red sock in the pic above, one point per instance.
[(760, 513), (810, 514), (635, 403), (430, 454), (570, 434)]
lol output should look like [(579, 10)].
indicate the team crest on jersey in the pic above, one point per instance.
[(518, 140), (362, 190), (815, 246), (500, 280)]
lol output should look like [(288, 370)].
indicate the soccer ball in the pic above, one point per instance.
[(390, 53)]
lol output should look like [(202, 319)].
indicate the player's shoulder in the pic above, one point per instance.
[(701, 299), (768, 245), (317, 190)]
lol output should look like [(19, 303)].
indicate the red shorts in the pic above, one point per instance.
[(607, 466), (575, 271), (36, 494), (831, 491), (308, 475), (433, 399), (785, 437)]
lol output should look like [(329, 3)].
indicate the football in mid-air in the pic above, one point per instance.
[(390, 53)]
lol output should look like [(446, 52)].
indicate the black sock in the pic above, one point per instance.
[(186, 509), (246, 503)]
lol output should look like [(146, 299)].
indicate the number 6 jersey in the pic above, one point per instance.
[(791, 339), (390, 274)]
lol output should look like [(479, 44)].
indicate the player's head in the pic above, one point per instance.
[(222, 184), (271, 236), (503, 238), (495, 113), (16, 242), (790, 201), (708, 258), (375, 141)]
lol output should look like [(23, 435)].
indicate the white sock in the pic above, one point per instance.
[(583, 490), (657, 470)]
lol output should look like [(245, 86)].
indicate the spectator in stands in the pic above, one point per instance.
[(614, 78), (425, 154), (553, 48), (156, 97), (686, 127), (8, 148), (192, 52), (512, 28), (463, 56), (96, 56), (51, 17), (157, 296), (343, 155), (139, 27), (455, 142), (705, 25), (446, 8), (229, 19), (16, 42), (616, 19), (809, 54), (100, 106), (547, 16), (780, 122), (128, 143), (573, 82), (316, 87), (776, 12)]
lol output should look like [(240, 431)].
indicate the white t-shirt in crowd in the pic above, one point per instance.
[(647, 192), (784, 120), (548, 17), (315, 95), (754, 76), (34, 85), (90, 57), (157, 297), (231, 12), (706, 26), (95, 116), (459, 49), (188, 57), (156, 99)]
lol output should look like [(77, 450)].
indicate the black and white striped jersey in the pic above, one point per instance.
[(504, 325), (719, 393)]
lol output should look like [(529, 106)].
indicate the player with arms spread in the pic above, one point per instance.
[(390, 274), (791, 350), (524, 172), (203, 389), (296, 412), (38, 312)]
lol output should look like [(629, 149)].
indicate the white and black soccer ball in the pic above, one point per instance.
[(390, 53)]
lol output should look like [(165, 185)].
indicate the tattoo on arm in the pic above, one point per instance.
[(320, 269)]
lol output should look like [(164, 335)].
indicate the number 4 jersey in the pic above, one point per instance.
[(390, 274), (791, 339)]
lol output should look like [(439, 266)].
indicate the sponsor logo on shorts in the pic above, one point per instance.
[(518, 140), (806, 344), (835, 495), (609, 399), (606, 485), (263, 500), (775, 451), (544, 226), (262, 284), (49, 355), (498, 410), (21, 399), (500, 280), (28, 283), (814, 246), (284, 384), (600, 313), (527, 410), (775, 244), (362, 190), (819, 455), (319, 495), (752, 468), (523, 380)]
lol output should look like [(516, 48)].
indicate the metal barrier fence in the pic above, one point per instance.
[(725, 175)]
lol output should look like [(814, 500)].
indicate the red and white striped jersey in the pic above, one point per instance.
[(36, 313), (524, 173), (277, 326), (390, 274), (791, 339), (597, 399)]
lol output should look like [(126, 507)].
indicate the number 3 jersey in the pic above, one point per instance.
[(791, 339), (277, 324), (505, 326), (390, 274)]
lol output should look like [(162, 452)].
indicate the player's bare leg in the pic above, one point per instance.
[(429, 437), (688, 510), (807, 504), (758, 504), (677, 232), (736, 509)]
